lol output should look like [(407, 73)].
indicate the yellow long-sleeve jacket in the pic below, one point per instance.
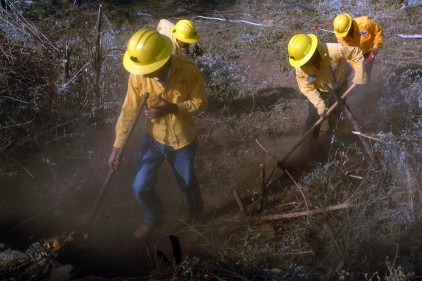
[(185, 87), (164, 27), (367, 35), (333, 56)]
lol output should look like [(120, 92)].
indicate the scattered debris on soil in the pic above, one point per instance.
[(329, 213)]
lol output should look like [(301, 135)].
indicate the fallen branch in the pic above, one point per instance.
[(97, 53), (15, 20), (366, 136), (379, 140), (410, 3), (239, 201), (234, 21), (266, 150), (264, 184), (19, 164), (417, 36), (307, 213), (356, 177), (299, 188), (315, 28)]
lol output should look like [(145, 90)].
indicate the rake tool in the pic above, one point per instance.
[(118, 157), (280, 163)]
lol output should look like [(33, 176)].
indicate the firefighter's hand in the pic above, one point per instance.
[(164, 108), (112, 161), (323, 115)]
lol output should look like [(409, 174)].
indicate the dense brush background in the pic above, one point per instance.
[(61, 87)]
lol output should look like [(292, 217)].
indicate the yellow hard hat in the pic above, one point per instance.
[(185, 31), (147, 51), (301, 48), (342, 24)]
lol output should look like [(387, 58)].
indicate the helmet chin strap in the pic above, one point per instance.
[(163, 73)]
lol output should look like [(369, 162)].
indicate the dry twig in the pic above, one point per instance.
[(307, 213), (239, 201)]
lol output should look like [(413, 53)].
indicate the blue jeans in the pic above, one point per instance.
[(181, 161)]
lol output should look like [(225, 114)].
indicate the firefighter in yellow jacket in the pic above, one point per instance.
[(361, 32), (316, 63), (182, 35), (177, 93)]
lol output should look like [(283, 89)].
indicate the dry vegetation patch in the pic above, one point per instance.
[(344, 218)]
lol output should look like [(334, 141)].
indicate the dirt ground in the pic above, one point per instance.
[(57, 189)]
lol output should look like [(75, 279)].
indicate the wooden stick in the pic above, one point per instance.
[(352, 119), (97, 50), (66, 61), (234, 21), (19, 164), (288, 204), (263, 186), (317, 123), (298, 187), (239, 201), (147, 247), (262, 173), (306, 213), (119, 155), (367, 136), (299, 253), (356, 177), (410, 35), (330, 233), (266, 150)]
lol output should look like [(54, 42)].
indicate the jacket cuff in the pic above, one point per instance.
[(320, 109), (117, 143)]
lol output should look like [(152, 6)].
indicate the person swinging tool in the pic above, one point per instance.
[(360, 32), (182, 35), (317, 64), (176, 93)]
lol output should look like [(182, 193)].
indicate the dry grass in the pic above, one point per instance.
[(351, 244), (53, 82)]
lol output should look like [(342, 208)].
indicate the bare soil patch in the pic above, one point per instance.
[(253, 96)]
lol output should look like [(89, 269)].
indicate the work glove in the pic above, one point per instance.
[(165, 107)]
